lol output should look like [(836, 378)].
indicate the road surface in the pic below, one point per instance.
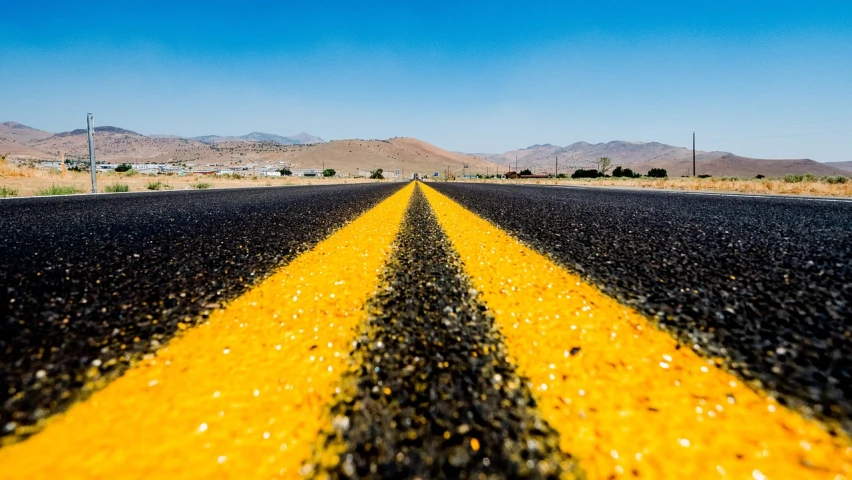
[(431, 331)]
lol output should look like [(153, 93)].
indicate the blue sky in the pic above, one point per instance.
[(770, 79)]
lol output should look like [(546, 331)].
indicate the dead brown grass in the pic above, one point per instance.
[(769, 186), (27, 181)]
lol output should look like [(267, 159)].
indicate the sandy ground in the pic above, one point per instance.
[(764, 186), (38, 180)]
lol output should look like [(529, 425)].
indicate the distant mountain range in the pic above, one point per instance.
[(642, 156), (299, 139)]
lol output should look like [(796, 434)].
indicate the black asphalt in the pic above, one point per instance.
[(432, 394), (763, 283), (89, 284)]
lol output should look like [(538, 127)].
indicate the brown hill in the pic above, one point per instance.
[(734, 166), (348, 157), (846, 166)]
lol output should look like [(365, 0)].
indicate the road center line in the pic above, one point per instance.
[(625, 397), (239, 396)]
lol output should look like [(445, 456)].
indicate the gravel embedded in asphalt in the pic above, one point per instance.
[(431, 393), (763, 284), (92, 283)]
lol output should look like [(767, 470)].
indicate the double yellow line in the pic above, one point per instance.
[(244, 394)]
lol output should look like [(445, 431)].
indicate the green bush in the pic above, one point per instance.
[(329, 172), (117, 188), (8, 191), (124, 167), (621, 172), (285, 172), (835, 179), (705, 176), (158, 185), (658, 173), (798, 177), (57, 190), (586, 173), (759, 177), (201, 185), (526, 172), (377, 174)]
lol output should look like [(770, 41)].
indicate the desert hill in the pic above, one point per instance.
[(642, 156), (847, 166), (348, 157), (298, 139)]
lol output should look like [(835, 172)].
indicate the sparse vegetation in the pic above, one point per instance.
[(658, 173), (158, 185), (8, 192), (621, 172), (117, 188), (58, 190), (835, 179), (201, 185), (585, 173), (798, 177)]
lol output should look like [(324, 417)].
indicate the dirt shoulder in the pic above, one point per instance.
[(20, 183), (766, 186)]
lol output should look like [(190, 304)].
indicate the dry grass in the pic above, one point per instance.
[(30, 181), (770, 186)]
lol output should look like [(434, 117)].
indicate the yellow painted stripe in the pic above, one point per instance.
[(629, 402), (240, 396)]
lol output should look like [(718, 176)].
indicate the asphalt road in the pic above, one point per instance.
[(762, 284), (92, 283), (376, 331)]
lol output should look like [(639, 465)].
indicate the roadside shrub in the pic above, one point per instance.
[(759, 177), (124, 167), (329, 172), (377, 174), (158, 185), (798, 177), (201, 185), (835, 179), (117, 188), (585, 173), (57, 190), (8, 191), (705, 176), (621, 172), (526, 171), (658, 173), (285, 172)]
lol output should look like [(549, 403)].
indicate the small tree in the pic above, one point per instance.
[(658, 173), (124, 167), (526, 172), (329, 172), (285, 172), (377, 174), (603, 164)]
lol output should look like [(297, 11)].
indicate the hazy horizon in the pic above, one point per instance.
[(765, 80)]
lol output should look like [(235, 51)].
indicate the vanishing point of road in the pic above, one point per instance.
[(439, 330)]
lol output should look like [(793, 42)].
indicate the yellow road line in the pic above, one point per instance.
[(239, 396), (626, 400)]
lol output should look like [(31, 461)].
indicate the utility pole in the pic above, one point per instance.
[(693, 154), (557, 167), (91, 128)]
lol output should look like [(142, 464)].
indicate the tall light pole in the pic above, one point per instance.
[(91, 129), (693, 154)]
